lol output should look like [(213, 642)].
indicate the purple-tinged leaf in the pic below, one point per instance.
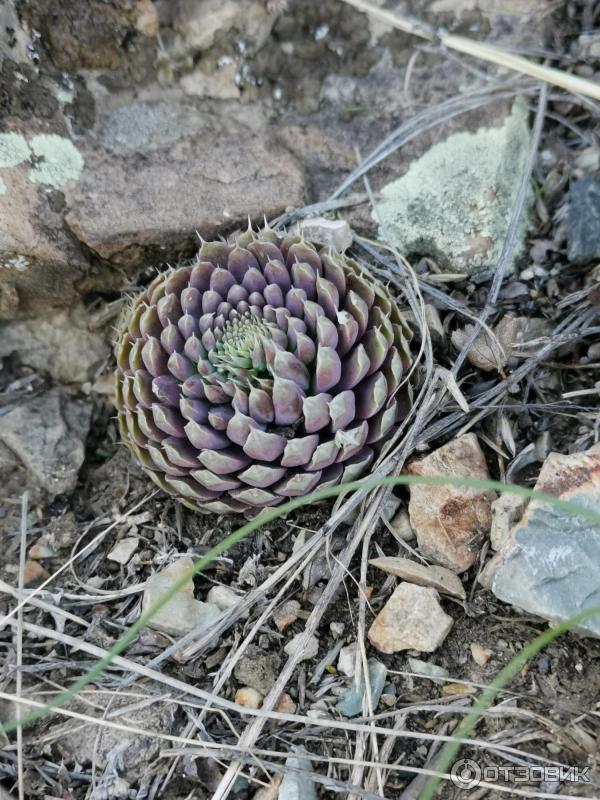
[(297, 484), (180, 366), (286, 365), (354, 368), (261, 475), (328, 370), (203, 437), (260, 406), (351, 440), (342, 410), (191, 301), (325, 454), (316, 412), (171, 339), (263, 446), (214, 483), (371, 396), (287, 401), (153, 357), (224, 462), (200, 276), (169, 420), (142, 388), (299, 450), (194, 410)]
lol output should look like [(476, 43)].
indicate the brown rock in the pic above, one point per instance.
[(285, 705), (125, 213), (412, 619), (34, 574), (439, 578), (450, 522), (40, 264), (286, 615)]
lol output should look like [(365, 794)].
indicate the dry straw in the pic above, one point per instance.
[(486, 52)]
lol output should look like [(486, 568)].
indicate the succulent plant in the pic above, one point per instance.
[(263, 370)]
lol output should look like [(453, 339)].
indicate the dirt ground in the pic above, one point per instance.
[(347, 92)]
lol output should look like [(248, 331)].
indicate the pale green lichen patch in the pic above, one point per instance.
[(59, 160), (2, 187), (13, 149), (454, 203)]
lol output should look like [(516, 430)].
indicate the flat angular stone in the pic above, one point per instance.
[(440, 578), (412, 619), (351, 704), (182, 613), (451, 522), (198, 183)]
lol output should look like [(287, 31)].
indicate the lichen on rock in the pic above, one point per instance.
[(454, 203)]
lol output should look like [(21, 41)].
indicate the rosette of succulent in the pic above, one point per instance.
[(267, 368)]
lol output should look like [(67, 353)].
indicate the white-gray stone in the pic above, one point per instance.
[(429, 670), (182, 613), (351, 704), (347, 660), (334, 233), (224, 597), (124, 549), (295, 785), (62, 346)]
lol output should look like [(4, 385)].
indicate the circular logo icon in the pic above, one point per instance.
[(465, 774)]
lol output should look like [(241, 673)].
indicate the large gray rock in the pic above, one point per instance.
[(454, 202), (47, 434), (551, 563)]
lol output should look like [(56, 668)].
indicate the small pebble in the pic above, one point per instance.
[(34, 574), (310, 651), (543, 665), (286, 614), (401, 526), (41, 550), (347, 660), (457, 688), (427, 669), (248, 697), (337, 629), (124, 549), (285, 705), (481, 655)]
